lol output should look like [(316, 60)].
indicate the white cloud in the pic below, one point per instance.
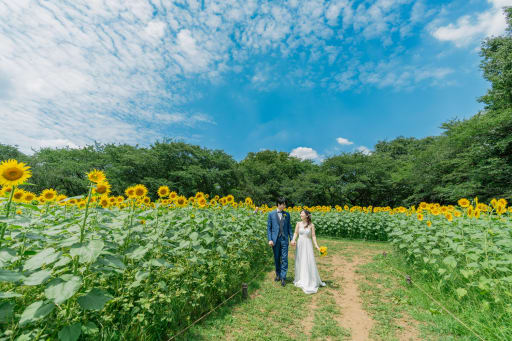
[(304, 153), (109, 70), (343, 141), (364, 150), (470, 28)]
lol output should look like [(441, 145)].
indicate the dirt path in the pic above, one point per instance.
[(353, 316)]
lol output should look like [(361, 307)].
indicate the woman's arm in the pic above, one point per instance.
[(314, 236), (296, 231)]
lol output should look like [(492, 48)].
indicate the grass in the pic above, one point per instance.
[(399, 310)]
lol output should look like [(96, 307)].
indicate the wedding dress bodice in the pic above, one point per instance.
[(304, 232)]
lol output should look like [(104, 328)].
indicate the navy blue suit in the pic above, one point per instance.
[(280, 247)]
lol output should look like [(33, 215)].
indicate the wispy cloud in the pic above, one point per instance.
[(470, 28)]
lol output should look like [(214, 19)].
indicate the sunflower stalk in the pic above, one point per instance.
[(8, 208), (82, 229)]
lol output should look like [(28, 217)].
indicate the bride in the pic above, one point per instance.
[(306, 273)]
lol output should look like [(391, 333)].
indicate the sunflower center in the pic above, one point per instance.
[(12, 174), (48, 196)]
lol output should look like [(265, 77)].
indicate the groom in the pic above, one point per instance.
[(279, 232)]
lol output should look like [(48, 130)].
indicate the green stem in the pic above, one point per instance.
[(8, 209), (82, 230)]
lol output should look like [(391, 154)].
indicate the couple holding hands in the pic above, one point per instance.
[(279, 232)]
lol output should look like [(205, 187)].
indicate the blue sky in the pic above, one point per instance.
[(312, 78)]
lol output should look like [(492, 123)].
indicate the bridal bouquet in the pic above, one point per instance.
[(323, 250)]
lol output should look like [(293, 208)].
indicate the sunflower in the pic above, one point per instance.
[(429, 223), (61, 197), (146, 200), (435, 211), (102, 187), (181, 201), (130, 192), (248, 201), (140, 190), (49, 194), (199, 195), (494, 202), (18, 195), (104, 202), (500, 209), (482, 207), (419, 216), (29, 197), (163, 191), (448, 216), (463, 202), (173, 195), (457, 213), (423, 205), (6, 191), (502, 202), (96, 176), (120, 199), (14, 173), (112, 200), (477, 213), (230, 198), (213, 202), (81, 204), (470, 211), (202, 202)]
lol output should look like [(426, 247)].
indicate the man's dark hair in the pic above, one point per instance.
[(281, 200)]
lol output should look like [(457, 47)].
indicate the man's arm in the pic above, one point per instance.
[(290, 235), (269, 228)]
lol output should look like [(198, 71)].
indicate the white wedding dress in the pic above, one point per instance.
[(306, 273)]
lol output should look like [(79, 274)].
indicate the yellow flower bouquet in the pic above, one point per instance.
[(323, 251)]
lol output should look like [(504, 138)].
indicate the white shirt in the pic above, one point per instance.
[(280, 214)]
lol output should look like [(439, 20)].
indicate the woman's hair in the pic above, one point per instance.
[(308, 216)]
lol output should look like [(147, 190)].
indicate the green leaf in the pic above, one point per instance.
[(35, 312), (141, 275), (461, 292), (450, 261), (6, 309), (45, 257), (95, 299), (112, 261), (37, 277), (10, 276), (194, 235), (64, 260), (60, 291), (88, 252), (89, 328), (7, 255), (9, 294), (137, 253), (71, 332)]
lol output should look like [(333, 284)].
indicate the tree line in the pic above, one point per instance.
[(471, 157)]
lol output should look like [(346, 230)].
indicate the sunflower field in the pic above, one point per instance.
[(99, 266)]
